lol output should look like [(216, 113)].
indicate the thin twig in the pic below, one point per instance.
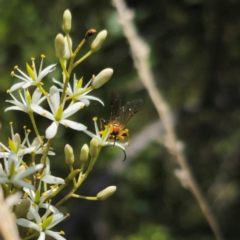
[(140, 55)]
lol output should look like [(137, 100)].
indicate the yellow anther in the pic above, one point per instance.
[(94, 119), (16, 66), (33, 59), (11, 123), (12, 73), (54, 186), (28, 130), (43, 56), (62, 232), (25, 127), (66, 125), (8, 91)]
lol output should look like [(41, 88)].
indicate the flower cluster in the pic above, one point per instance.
[(33, 182)]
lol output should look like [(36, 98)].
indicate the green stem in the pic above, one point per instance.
[(84, 197), (82, 58), (84, 177), (35, 128), (31, 236)]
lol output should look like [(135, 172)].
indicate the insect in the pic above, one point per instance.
[(119, 117)]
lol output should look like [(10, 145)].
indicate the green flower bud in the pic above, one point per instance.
[(67, 21), (94, 147), (69, 155), (97, 43), (84, 153), (22, 208), (102, 78), (60, 46), (107, 192)]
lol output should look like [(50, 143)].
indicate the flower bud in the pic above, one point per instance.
[(98, 41), (17, 139), (67, 50), (107, 192), (69, 155), (67, 21), (22, 208), (94, 147), (102, 78), (60, 46), (84, 153)]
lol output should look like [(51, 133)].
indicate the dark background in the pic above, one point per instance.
[(195, 58)]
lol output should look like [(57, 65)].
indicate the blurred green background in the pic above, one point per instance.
[(195, 58)]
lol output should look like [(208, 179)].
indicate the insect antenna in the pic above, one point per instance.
[(125, 155)]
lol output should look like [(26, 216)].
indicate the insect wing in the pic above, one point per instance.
[(116, 104), (128, 110)]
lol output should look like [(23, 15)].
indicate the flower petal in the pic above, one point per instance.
[(55, 99), (52, 130), (41, 111), (28, 171), (26, 223), (55, 235), (16, 86), (73, 125), (52, 180), (72, 109)]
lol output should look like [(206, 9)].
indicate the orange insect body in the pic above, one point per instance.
[(119, 117)]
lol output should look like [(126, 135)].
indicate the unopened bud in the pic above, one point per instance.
[(94, 147), (60, 46), (22, 208), (102, 78), (98, 41), (17, 139), (84, 153), (67, 21), (69, 155), (107, 192)]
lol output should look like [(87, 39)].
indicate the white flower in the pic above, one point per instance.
[(48, 178), (37, 201), (32, 79), (58, 115), (16, 145), (79, 93), (103, 140), (35, 143), (27, 100), (43, 224), (13, 174)]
